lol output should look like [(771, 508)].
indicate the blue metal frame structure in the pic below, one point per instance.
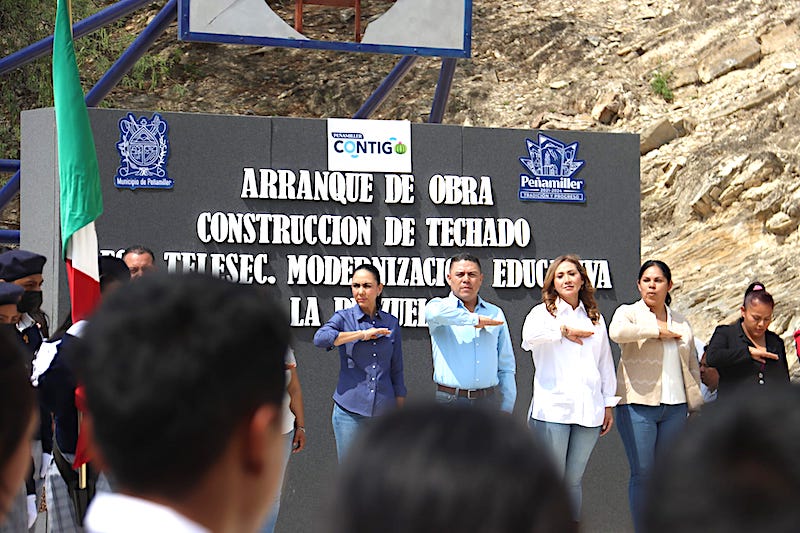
[(341, 46), (140, 45)]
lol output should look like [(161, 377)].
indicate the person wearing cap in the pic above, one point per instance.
[(24, 509), (24, 269), (18, 423), (9, 298), (54, 376)]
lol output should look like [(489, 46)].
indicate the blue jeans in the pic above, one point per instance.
[(272, 518), (646, 431), (570, 446), (345, 427)]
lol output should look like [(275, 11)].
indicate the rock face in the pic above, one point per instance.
[(720, 170), (741, 53)]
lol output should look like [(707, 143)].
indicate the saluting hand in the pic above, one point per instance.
[(484, 321), (575, 335), (374, 333), (761, 355), (664, 333)]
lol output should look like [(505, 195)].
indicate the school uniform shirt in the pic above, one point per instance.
[(572, 383), (56, 385), (119, 513), (371, 371), (30, 335)]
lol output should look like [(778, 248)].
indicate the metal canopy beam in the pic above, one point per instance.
[(87, 25), (389, 82), (442, 93), (129, 57)]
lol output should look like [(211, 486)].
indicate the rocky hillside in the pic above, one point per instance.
[(720, 143)]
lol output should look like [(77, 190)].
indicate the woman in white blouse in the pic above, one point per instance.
[(574, 384)]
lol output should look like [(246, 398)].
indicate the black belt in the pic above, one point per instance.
[(470, 394)]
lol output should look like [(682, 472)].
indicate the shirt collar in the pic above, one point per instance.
[(460, 302), (644, 307), (25, 321), (106, 510), (361, 315), (563, 306)]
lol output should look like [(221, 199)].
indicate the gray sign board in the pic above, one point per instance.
[(252, 199)]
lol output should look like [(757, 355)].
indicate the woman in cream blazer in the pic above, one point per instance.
[(658, 377)]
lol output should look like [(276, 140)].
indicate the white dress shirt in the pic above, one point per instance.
[(573, 383), (672, 390), (119, 513)]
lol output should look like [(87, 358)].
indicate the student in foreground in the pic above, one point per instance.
[(448, 468), (18, 420), (184, 379), (736, 470)]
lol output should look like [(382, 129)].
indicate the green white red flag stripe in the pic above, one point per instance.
[(79, 176)]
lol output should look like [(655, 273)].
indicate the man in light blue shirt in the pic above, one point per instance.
[(473, 359)]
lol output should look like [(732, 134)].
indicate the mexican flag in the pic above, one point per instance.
[(79, 177)]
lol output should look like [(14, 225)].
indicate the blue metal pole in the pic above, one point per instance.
[(9, 236), (442, 90), (136, 50), (389, 82), (9, 165), (87, 25), (9, 190)]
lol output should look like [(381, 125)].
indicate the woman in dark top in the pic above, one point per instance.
[(747, 353)]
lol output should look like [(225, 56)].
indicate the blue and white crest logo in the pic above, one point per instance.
[(143, 152), (552, 165)]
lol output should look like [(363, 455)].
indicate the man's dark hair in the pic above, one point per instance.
[(112, 269), (735, 469), (465, 256), (172, 366), (433, 468), (138, 249)]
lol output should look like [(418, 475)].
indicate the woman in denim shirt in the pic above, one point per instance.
[(371, 357)]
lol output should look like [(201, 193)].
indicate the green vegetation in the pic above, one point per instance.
[(30, 86), (659, 82)]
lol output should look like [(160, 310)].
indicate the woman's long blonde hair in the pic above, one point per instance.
[(585, 295)]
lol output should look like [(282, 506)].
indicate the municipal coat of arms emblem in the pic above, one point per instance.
[(143, 152), (551, 167)]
